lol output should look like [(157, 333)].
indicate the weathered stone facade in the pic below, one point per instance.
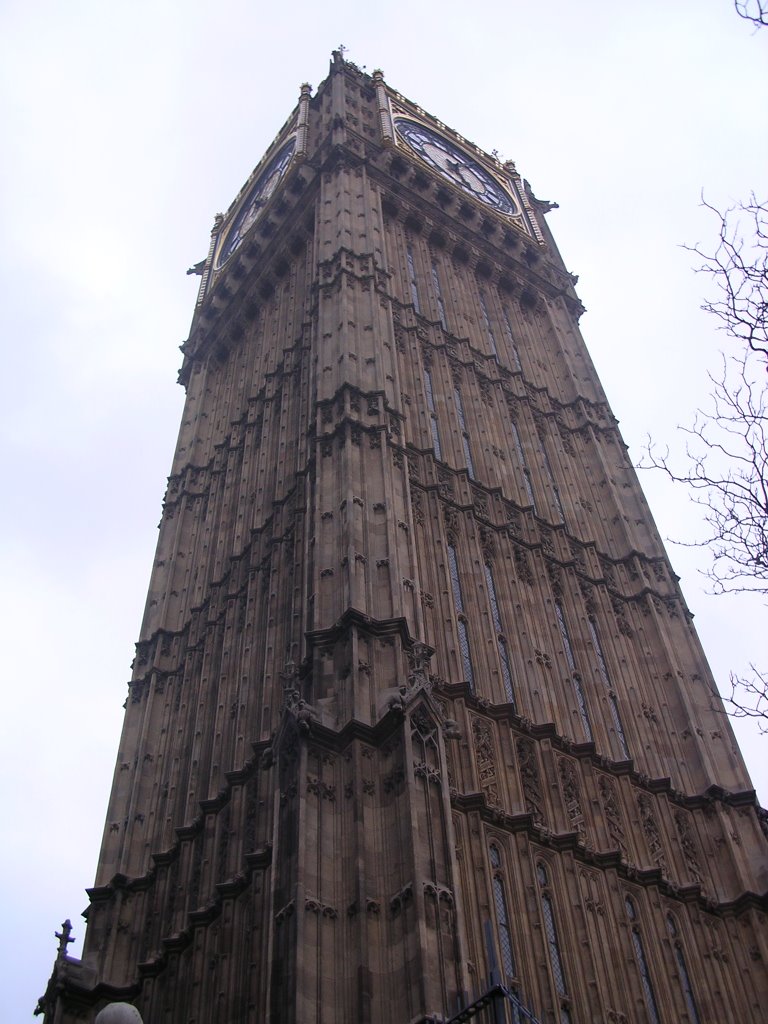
[(414, 670)]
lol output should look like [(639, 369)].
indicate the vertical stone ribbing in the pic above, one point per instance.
[(398, 489)]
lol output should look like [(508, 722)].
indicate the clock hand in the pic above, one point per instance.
[(456, 168)]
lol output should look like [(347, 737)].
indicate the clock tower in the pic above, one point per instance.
[(419, 727)]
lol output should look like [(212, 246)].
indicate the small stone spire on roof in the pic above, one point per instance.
[(64, 937)]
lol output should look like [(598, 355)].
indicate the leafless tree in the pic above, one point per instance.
[(725, 467), (738, 267), (755, 11), (726, 471), (749, 697)]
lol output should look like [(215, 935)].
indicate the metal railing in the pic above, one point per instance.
[(498, 1005)]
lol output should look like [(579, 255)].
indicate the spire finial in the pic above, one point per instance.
[(64, 937)]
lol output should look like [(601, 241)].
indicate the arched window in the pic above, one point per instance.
[(550, 930), (551, 477), (464, 433), (524, 466), (642, 963), (414, 285), (576, 678), (502, 914), (501, 641), (434, 426), (488, 324), (461, 623), (511, 338), (613, 699), (682, 971), (438, 294)]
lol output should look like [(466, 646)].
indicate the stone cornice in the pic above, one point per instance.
[(573, 842), (374, 627), (324, 738), (657, 564)]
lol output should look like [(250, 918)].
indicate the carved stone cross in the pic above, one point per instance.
[(64, 937)]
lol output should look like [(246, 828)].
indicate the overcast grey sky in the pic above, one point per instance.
[(126, 128)]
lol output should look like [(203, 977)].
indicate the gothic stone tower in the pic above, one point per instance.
[(417, 697)]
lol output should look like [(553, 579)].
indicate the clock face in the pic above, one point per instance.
[(455, 165), (262, 189)]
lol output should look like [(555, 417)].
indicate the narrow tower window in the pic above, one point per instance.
[(642, 963), (466, 658), (506, 672), (502, 913), (511, 338), (432, 413), (550, 930), (487, 322), (464, 433), (552, 484), (412, 278), (438, 295), (524, 466), (682, 971), (578, 689), (612, 698)]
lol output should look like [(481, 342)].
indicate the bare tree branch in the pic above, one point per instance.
[(726, 471), (725, 465), (739, 269), (749, 697), (755, 11)]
